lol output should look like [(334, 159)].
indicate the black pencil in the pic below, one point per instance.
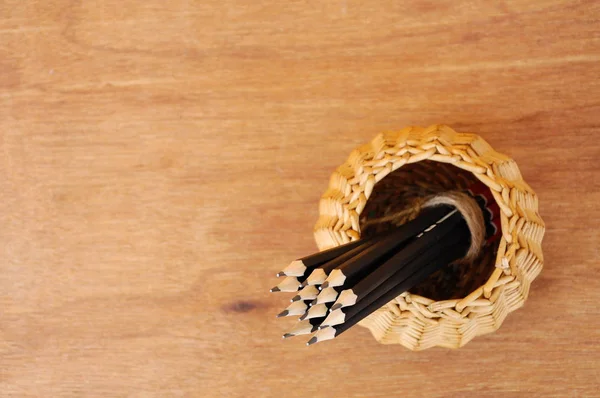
[(453, 251), (301, 266), (422, 243), (352, 270)]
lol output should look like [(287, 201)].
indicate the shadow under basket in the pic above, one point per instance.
[(390, 175)]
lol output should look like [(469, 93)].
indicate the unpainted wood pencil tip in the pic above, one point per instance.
[(334, 318), (325, 334)]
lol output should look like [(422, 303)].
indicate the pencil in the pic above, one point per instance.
[(423, 242), (352, 270), (300, 266)]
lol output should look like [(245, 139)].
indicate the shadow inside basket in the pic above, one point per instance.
[(399, 192)]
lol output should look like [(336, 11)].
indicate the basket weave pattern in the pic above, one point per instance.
[(419, 322)]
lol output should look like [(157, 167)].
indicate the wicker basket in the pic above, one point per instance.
[(459, 302)]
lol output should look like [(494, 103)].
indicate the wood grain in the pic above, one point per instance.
[(162, 160)]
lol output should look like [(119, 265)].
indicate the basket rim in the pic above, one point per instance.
[(522, 228)]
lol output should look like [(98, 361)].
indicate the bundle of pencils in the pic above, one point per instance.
[(339, 287)]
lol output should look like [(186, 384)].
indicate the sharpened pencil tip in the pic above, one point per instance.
[(280, 274), (312, 341), (275, 289), (283, 313), (287, 335), (296, 298), (314, 302), (325, 285), (335, 307)]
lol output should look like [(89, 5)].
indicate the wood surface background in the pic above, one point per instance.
[(160, 161)]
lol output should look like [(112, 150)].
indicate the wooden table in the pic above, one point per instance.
[(162, 160)]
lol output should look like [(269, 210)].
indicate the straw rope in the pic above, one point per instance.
[(411, 320)]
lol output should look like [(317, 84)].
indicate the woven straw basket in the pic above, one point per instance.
[(459, 302)]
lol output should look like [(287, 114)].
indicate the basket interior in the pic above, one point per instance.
[(398, 192)]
